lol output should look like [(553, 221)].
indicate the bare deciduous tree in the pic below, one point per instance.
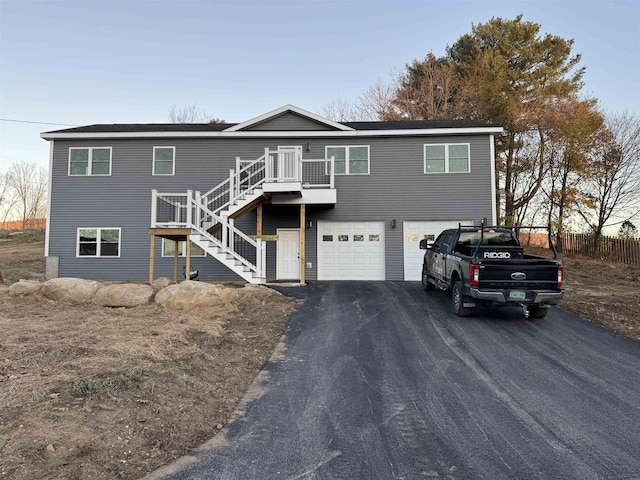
[(614, 195), (191, 114), (574, 135), (28, 184), (7, 198), (375, 103), (339, 110), (431, 89)]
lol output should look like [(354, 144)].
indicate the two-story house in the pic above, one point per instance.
[(288, 195)]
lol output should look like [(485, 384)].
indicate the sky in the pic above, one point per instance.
[(81, 62)]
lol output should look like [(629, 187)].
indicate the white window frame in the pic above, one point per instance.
[(346, 158), (173, 169), (182, 252), (98, 242), (446, 157), (90, 162)]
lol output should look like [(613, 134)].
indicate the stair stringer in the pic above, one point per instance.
[(213, 247)]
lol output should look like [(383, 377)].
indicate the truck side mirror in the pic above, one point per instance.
[(424, 245)]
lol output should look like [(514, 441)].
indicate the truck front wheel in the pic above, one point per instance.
[(458, 298), (426, 284)]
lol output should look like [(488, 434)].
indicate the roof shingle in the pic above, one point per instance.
[(218, 127)]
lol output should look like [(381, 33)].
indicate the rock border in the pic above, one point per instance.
[(186, 296)]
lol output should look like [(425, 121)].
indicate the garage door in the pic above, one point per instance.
[(414, 232), (351, 251)]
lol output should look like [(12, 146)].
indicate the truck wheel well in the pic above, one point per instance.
[(454, 278)]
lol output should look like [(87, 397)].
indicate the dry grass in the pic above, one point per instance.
[(93, 392)]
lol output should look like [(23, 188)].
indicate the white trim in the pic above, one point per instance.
[(98, 242), (346, 158), (287, 108), (492, 155), (279, 275), (309, 196), (48, 217), (90, 162), (446, 157), (279, 134), (296, 148), (180, 253), (153, 167)]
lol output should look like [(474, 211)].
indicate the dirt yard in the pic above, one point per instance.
[(88, 392)]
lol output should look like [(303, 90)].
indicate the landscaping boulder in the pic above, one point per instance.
[(259, 291), (70, 290), (162, 282), (25, 287), (123, 295), (189, 295)]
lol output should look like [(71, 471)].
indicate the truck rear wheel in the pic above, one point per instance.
[(458, 299), (426, 284)]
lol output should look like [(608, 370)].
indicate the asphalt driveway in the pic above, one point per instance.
[(381, 381)]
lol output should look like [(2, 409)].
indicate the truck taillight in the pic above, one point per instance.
[(474, 274), (560, 275)]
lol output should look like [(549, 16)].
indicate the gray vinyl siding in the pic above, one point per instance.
[(413, 195), (289, 122), (396, 188), (124, 200)]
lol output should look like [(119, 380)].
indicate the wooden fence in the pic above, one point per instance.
[(625, 250), (33, 224)]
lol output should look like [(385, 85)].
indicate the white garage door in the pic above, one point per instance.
[(414, 232), (351, 251)]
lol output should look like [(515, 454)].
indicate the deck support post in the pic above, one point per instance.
[(152, 257), (187, 274), (302, 237), (176, 246), (259, 220)]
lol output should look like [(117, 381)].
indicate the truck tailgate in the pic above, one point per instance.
[(523, 274)]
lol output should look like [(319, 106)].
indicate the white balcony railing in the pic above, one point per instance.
[(202, 212)]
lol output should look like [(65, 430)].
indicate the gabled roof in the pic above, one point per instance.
[(286, 109), (252, 128)]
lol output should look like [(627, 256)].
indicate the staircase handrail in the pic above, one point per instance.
[(232, 233), (228, 181)]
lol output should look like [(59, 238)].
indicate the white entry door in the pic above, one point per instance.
[(288, 254), (414, 232), (351, 251)]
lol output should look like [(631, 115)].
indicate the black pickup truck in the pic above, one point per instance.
[(487, 266)]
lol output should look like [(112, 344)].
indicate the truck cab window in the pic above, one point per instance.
[(446, 241), (437, 245)]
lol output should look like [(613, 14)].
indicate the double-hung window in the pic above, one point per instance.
[(98, 242), (90, 161), (164, 160), (350, 160), (447, 158)]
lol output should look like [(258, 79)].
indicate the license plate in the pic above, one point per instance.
[(517, 295)]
